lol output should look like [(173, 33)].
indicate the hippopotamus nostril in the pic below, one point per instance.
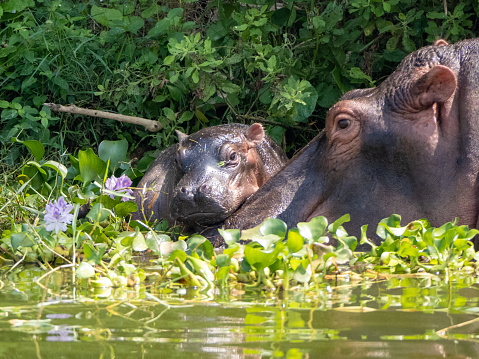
[(186, 194)]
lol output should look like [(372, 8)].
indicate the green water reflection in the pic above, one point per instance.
[(397, 317)]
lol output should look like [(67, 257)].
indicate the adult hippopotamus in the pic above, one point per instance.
[(208, 175), (409, 146)]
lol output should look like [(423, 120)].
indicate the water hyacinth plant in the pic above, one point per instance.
[(120, 185), (57, 215)]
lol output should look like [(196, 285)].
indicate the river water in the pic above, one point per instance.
[(346, 316)]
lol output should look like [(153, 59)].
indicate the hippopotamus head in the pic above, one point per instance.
[(408, 146), (221, 167)]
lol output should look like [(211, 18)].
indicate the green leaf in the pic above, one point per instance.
[(115, 151), (160, 28), (22, 240), (313, 229), (98, 213), (85, 270), (281, 16), (169, 60), (273, 226), (185, 117), (223, 260), (104, 15), (229, 87), (35, 147), (222, 273), (393, 221), (358, 74), (181, 255), (295, 241), (333, 227), (195, 76), (94, 254), (27, 83), (201, 246), (260, 259), (91, 166), (123, 209), (16, 6), (231, 236), (134, 23), (302, 275), (61, 169), (169, 113), (61, 82), (139, 243)]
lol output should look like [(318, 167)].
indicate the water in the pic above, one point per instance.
[(346, 317)]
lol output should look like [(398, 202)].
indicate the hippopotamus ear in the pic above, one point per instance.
[(254, 134), (437, 85), (181, 136), (441, 42)]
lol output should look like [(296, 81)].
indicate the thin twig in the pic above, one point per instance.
[(150, 125), (53, 270), (20, 261), (442, 332)]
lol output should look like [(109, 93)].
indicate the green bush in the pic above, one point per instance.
[(193, 64)]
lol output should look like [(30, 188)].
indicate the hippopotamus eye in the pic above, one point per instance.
[(343, 123), (233, 156)]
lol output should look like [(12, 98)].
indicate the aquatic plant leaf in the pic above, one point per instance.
[(139, 243), (85, 270), (333, 227), (231, 236), (94, 254), (302, 275), (295, 241), (222, 273), (313, 229), (102, 282), (273, 226), (91, 166), (123, 209), (61, 169), (22, 240), (98, 213), (223, 260), (115, 151), (178, 253), (261, 259), (201, 246), (35, 147)]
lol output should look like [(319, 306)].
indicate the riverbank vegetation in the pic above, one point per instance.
[(189, 65)]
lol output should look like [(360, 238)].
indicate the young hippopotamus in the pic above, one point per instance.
[(409, 146), (208, 175)]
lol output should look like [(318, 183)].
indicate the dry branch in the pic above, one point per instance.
[(150, 125)]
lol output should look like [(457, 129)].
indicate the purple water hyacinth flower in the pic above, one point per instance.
[(57, 215), (119, 185)]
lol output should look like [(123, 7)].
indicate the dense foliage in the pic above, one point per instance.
[(189, 65), (198, 63)]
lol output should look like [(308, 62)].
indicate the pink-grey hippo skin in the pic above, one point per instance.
[(409, 146), (208, 175)]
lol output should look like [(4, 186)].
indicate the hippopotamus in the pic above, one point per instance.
[(409, 146), (206, 176)]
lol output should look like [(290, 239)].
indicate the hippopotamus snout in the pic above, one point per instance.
[(207, 198), (193, 194)]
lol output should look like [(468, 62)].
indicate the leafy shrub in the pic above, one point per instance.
[(194, 64)]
